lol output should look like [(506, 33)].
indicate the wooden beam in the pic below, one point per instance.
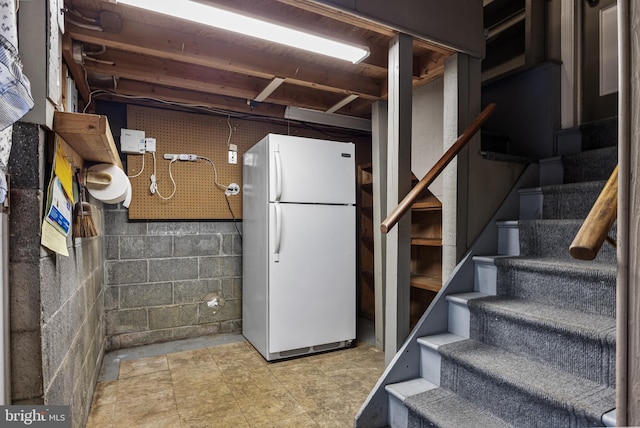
[(163, 43), (202, 79), (75, 69), (194, 99)]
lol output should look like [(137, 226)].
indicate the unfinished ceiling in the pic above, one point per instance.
[(120, 53)]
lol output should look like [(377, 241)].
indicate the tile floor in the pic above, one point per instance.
[(231, 385)]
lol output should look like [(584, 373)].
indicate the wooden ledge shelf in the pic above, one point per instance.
[(426, 283), (89, 135), (427, 242), (427, 206)]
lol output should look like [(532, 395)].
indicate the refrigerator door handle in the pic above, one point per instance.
[(278, 175), (276, 251)]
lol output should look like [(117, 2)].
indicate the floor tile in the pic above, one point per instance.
[(142, 366), (232, 385), (276, 405)]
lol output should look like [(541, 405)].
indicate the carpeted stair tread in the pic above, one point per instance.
[(573, 284), (566, 339), (570, 201), (442, 408), (590, 165), (552, 238), (566, 320), (513, 386)]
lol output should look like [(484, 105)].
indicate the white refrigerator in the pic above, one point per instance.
[(299, 237)]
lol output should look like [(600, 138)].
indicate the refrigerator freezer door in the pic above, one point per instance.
[(312, 294), (306, 170)]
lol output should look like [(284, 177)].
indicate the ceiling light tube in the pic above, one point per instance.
[(226, 20)]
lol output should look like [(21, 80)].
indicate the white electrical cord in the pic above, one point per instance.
[(154, 185), (138, 174), (215, 172)]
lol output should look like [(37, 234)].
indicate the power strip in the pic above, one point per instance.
[(181, 157)]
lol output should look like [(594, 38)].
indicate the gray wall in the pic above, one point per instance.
[(160, 276), (57, 316)]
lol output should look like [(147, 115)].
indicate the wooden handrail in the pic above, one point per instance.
[(596, 226), (408, 201)]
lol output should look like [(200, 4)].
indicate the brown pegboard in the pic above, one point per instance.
[(196, 195)]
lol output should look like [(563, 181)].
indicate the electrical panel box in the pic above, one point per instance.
[(132, 141)]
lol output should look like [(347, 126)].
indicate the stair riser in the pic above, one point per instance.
[(569, 351), (398, 413), (430, 365), (509, 402), (485, 277), (508, 238), (585, 290)]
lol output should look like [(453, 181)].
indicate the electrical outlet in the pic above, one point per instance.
[(233, 157), (232, 189)]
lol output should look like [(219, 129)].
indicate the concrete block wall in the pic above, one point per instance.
[(161, 275), (57, 302)]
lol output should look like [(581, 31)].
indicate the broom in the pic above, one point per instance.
[(83, 226)]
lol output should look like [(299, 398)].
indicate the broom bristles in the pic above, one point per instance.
[(83, 226)]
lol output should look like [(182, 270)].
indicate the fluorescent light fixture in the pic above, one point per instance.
[(226, 20), (332, 119), (268, 90)]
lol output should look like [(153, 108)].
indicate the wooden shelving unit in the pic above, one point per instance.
[(366, 292), (426, 253), (426, 248)]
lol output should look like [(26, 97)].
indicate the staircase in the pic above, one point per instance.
[(532, 341)]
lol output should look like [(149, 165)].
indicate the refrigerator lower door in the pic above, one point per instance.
[(312, 293)]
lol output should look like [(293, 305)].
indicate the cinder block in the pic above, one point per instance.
[(24, 280), (126, 272), (139, 247), (231, 310), (231, 288), (196, 245), (231, 244), (195, 331), (129, 340), (173, 269), (172, 316), (126, 321), (116, 222), (25, 222), (26, 366), (173, 228), (26, 161), (195, 290), (222, 266), (232, 326), (146, 295), (111, 297), (112, 249), (219, 227)]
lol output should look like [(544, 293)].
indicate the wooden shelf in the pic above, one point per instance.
[(426, 283), (89, 135), (427, 242), (427, 206)]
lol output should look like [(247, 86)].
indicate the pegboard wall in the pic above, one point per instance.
[(196, 196)]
